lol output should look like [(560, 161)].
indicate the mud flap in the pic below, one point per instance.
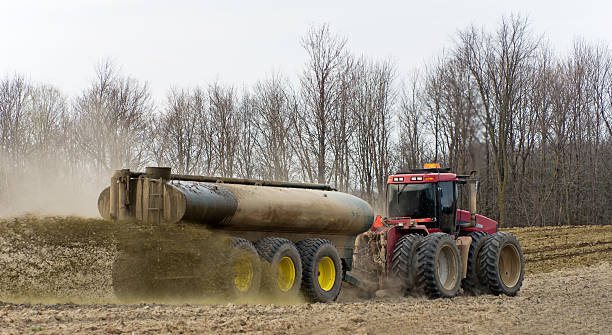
[(463, 243)]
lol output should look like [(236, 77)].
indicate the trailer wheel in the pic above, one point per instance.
[(438, 266), (474, 283), (404, 261), (321, 269), (503, 264), (284, 273), (132, 278), (245, 268)]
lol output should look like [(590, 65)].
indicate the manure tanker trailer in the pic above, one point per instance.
[(283, 238)]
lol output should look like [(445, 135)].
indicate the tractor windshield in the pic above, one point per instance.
[(417, 201)]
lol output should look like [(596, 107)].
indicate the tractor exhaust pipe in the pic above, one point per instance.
[(472, 193)]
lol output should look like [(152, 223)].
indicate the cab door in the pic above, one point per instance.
[(447, 209)]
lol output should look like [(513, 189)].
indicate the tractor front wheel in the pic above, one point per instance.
[(439, 266), (404, 261)]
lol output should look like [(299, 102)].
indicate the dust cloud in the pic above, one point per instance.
[(49, 188), (57, 259)]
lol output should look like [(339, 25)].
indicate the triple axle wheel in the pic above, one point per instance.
[(322, 270), (311, 266), (246, 271), (237, 269), (283, 270)]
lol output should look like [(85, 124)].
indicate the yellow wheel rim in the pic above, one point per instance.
[(243, 274), (327, 273), (286, 274)]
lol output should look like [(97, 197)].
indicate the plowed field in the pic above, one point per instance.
[(55, 278), (550, 248)]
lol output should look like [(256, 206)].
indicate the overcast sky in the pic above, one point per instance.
[(185, 43)]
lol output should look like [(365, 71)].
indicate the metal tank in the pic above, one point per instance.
[(247, 208)]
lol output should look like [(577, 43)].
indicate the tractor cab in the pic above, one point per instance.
[(428, 198)]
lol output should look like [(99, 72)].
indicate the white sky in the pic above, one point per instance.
[(183, 43)]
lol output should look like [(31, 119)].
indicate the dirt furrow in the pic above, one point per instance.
[(561, 302)]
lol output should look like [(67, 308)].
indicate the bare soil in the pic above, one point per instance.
[(564, 247), (56, 278)]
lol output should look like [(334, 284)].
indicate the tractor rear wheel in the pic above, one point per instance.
[(404, 261), (245, 268), (438, 266), (321, 269), (503, 264), (474, 283), (283, 275)]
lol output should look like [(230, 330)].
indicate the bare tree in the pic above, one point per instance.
[(375, 98), (533, 172), (411, 142), (342, 125), (14, 100), (273, 105), (247, 130), (48, 109), (112, 120), (14, 105), (432, 101), (320, 81), (182, 130), (497, 64), (224, 121)]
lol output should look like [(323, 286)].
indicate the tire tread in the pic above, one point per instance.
[(426, 267), (402, 265), (473, 283), (308, 249), (268, 246), (489, 263)]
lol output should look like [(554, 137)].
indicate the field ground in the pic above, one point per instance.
[(50, 264)]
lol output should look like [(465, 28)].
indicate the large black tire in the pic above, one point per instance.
[(404, 262), (321, 269), (283, 276), (474, 283), (438, 266), (245, 269), (503, 264)]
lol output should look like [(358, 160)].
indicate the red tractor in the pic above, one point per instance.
[(427, 243)]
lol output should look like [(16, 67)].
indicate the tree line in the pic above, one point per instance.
[(536, 125)]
